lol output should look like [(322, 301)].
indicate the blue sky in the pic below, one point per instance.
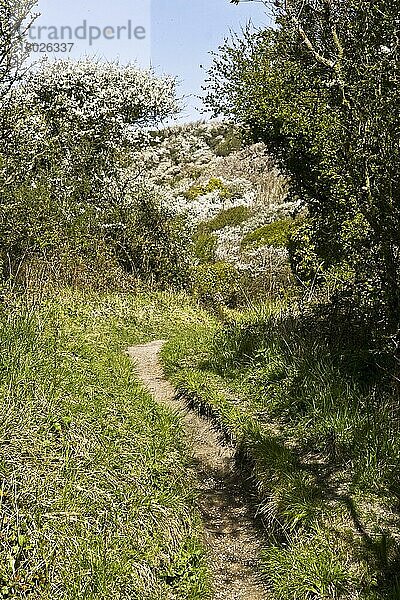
[(179, 33), (184, 32)]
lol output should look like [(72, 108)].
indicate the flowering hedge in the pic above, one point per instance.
[(67, 133)]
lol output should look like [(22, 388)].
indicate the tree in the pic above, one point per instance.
[(62, 172), (15, 19), (322, 90), (94, 114)]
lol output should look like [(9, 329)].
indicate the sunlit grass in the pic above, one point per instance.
[(95, 500), (322, 443)]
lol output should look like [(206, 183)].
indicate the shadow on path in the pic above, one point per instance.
[(232, 539)]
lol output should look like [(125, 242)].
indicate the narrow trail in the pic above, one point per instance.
[(231, 538)]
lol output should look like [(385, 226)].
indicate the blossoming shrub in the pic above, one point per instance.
[(253, 163), (185, 161), (15, 18), (224, 197), (254, 240)]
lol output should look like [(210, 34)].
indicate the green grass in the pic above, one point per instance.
[(322, 442), (95, 498), (308, 568)]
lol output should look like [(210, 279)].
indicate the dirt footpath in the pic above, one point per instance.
[(231, 537)]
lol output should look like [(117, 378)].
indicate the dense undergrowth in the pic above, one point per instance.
[(320, 439), (95, 499)]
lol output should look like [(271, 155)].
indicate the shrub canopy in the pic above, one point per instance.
[(322, 91)]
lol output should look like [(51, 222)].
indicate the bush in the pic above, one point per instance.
[(204, 246), (217, 284), (228, 218), (67, 128), (274, 234), (135, 240), (316, 108), (233, 142), (194, 192), (150, 244), (213, 185)]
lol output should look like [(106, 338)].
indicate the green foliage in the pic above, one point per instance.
[(204, 245), (137, 242), (213, 185), (204, 240), (329, 117), (274, 234), (194, 192), (149, 244), (216, 284), (303, 249), (227, 218)]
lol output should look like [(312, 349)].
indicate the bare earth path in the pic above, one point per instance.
[(231, 537)]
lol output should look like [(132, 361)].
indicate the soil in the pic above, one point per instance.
[(231, 536)]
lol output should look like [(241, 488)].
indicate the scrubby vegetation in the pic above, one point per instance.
[(274, 234), (264, 248), (329, 115)]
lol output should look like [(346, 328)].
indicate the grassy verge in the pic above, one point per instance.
[(95, 501), (323, 441)]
